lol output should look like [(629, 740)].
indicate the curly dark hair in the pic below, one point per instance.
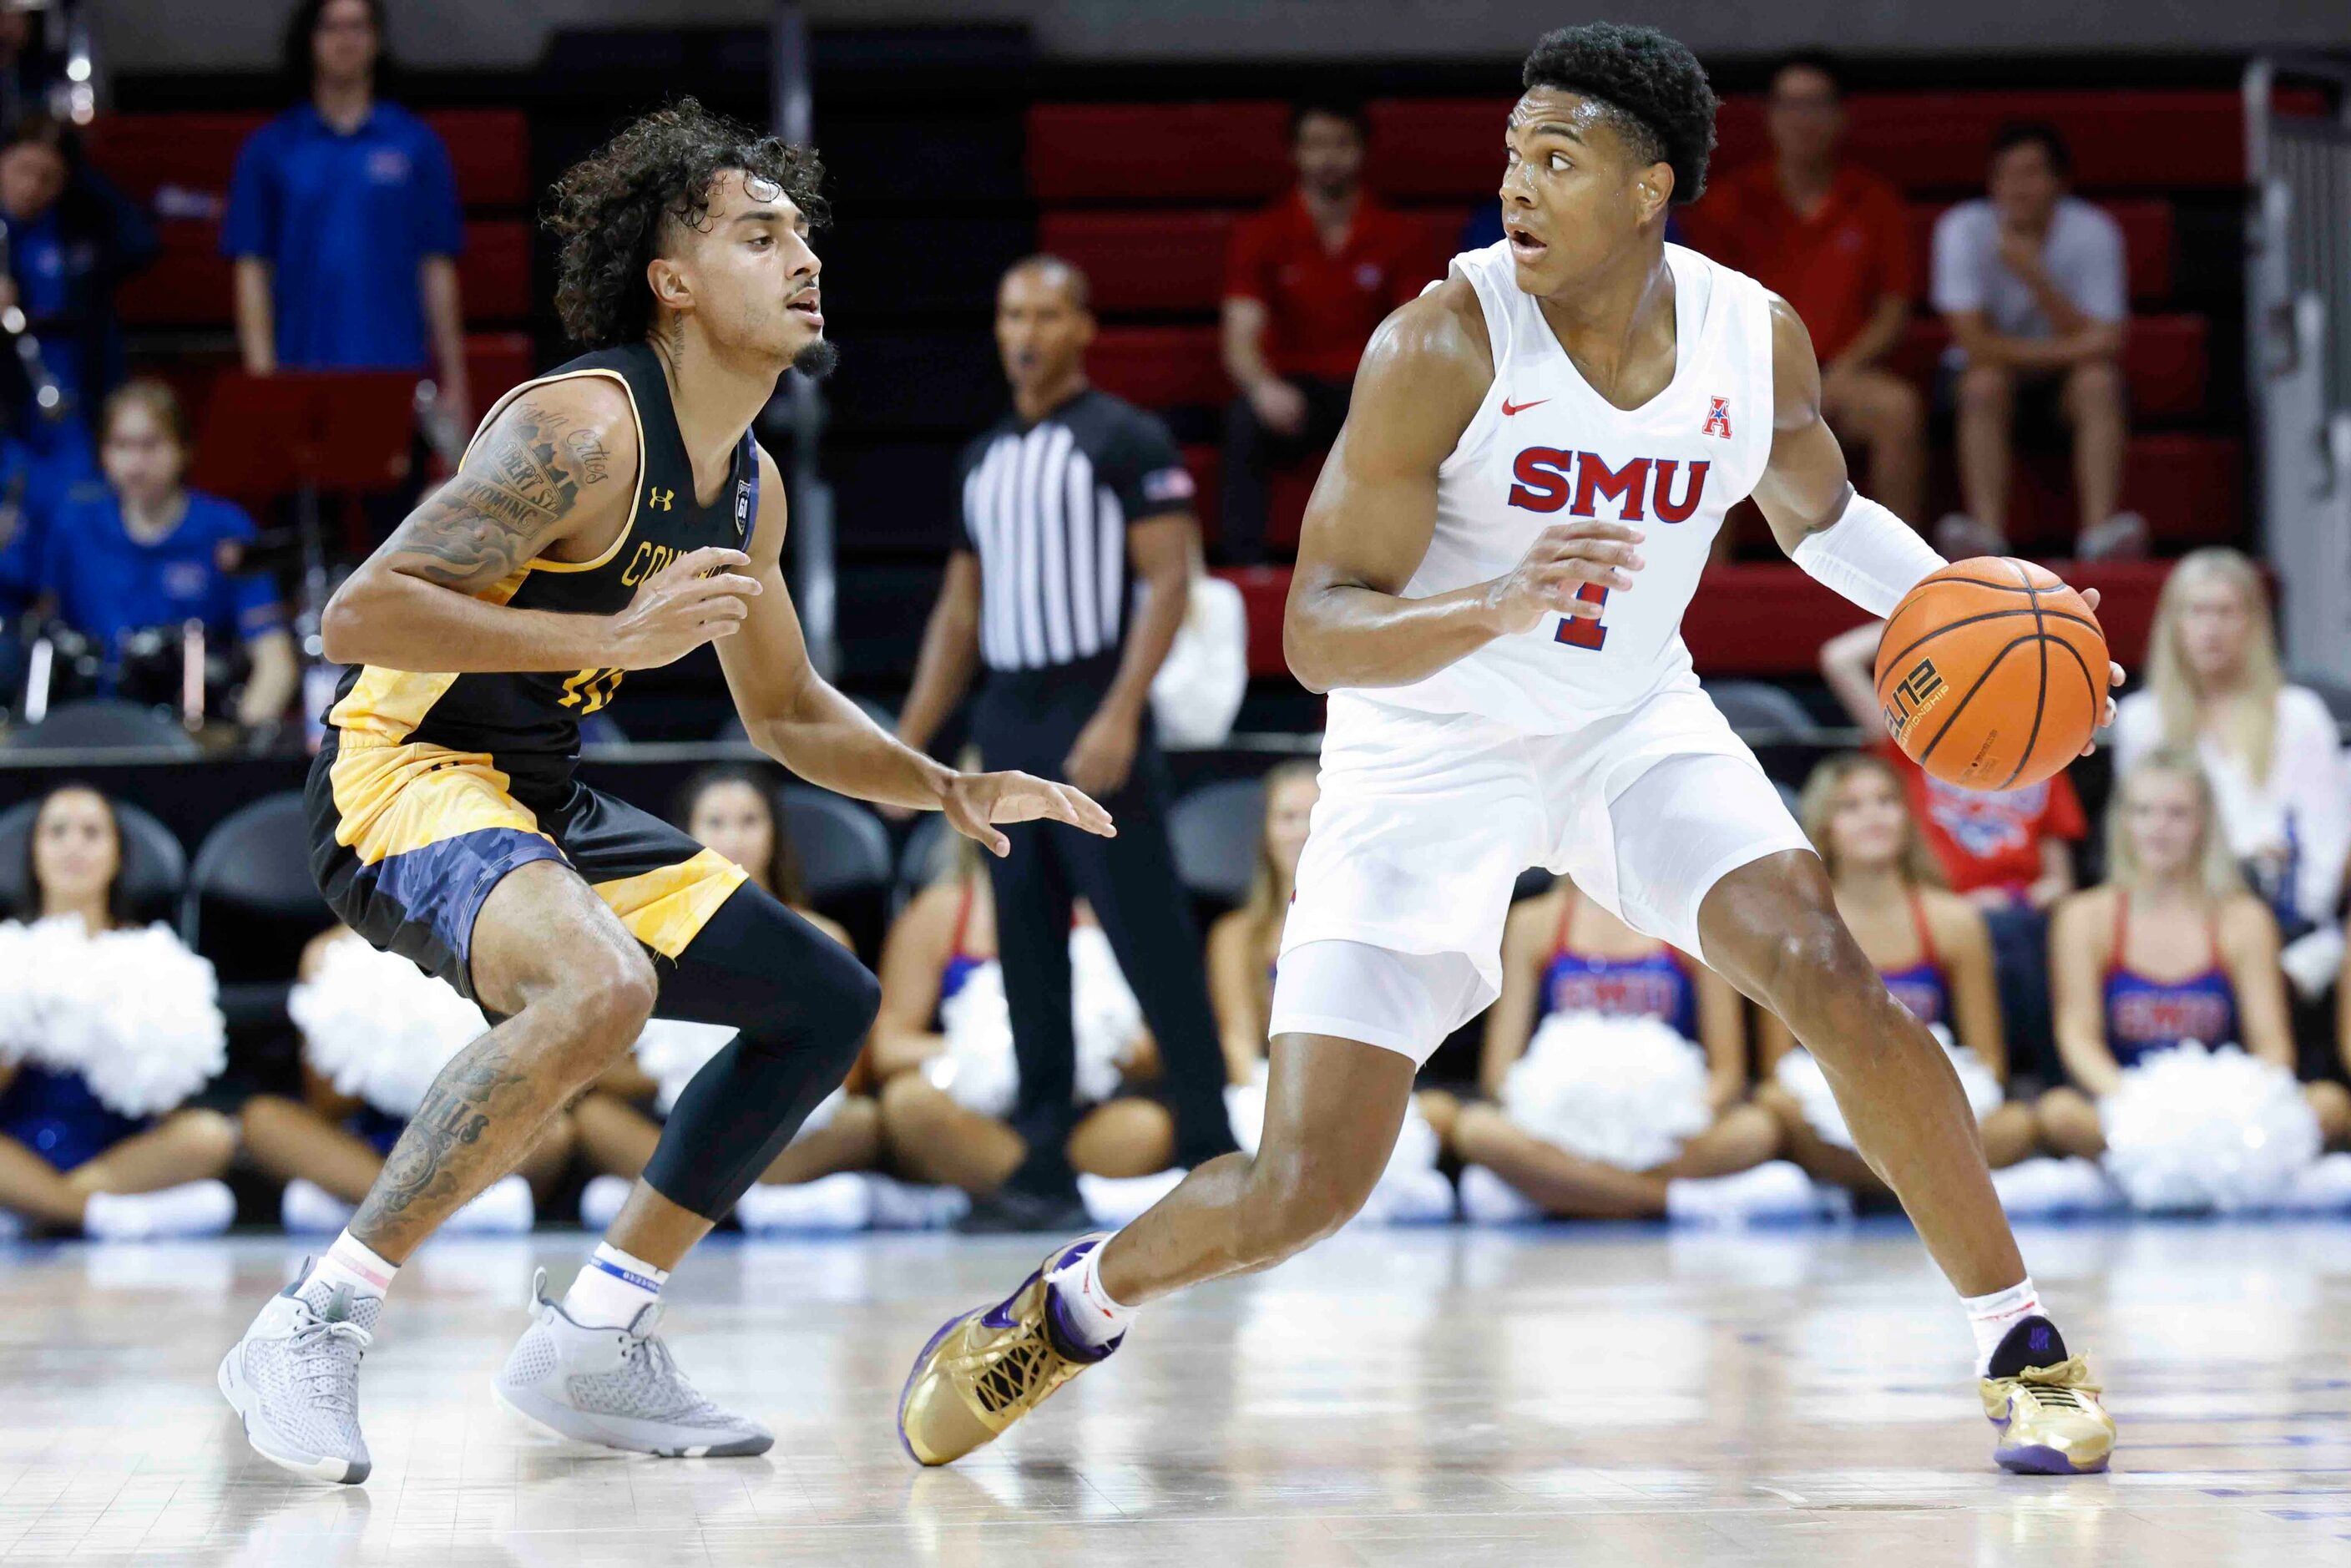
[(1655, 88), (608, 209)]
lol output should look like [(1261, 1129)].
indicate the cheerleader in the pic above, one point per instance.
[(2171, 949), (1243, 947), (942, 1048), (730, 809), (1680, 1086), (375, 1029), (104, 1031), (1931, 947)]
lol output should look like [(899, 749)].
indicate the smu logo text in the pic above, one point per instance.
[(1544, 484)]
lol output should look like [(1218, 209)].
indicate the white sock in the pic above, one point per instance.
[(350, 1261), (1094, 1317), (611, 1289), (1992, 1316)]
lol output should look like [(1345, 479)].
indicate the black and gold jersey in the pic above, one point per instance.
[(528, 725)]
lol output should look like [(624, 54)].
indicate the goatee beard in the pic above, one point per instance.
[(817, 360)]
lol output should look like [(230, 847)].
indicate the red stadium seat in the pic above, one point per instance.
[(489, 151), (496, 364), (2167, 361), (1264, 590), (1206, 463), (1159, 367), (2190, 488), (1165, 261), (190, 284), (1430, 149), (493, 274), (1130, 152), (2146, 246)]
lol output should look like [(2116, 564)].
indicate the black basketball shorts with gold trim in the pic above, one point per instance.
[(407, 839)]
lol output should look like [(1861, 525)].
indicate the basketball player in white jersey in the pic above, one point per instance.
[(1490, 586)]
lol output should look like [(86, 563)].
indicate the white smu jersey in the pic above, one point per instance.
[(1544, 448)]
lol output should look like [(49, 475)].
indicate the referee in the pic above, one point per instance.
[(1069, 581)]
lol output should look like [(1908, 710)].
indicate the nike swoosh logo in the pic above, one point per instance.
[(1509, 408)]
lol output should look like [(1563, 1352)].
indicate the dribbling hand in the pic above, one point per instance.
[(973, 802), (1562, 560), (2114, 677), (678, 608)]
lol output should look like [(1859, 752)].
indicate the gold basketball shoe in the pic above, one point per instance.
[(2045, 1406), (989, 1367)]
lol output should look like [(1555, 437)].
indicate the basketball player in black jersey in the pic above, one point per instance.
[(611, 516)]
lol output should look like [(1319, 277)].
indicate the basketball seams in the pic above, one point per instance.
[(2066, 615), (1991, 667)]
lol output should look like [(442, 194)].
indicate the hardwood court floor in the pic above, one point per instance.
[(1604, 1397)]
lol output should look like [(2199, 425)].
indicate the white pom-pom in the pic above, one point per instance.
[(672, 1052), (1416, 1145), (21, 990), (1245, 1109), (2191, 1129), (977, 1069), (1801, 1076), (377, 1027), (1623, 1091), (1107, 1019), (134, 1013)]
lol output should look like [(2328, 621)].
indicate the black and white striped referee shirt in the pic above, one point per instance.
[(1047, 506)]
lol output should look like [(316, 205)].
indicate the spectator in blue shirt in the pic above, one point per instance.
[(343, 221), (141, 550), (28, 500), (70, 237)]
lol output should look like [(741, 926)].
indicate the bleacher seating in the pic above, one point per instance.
[(1145, 196)]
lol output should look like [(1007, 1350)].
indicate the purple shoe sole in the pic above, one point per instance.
[(2034, 1459)]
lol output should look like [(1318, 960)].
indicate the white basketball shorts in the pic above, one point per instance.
[(1425, 822)]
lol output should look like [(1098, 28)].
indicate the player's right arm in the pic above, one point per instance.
[(553, 475), (1374, 510)]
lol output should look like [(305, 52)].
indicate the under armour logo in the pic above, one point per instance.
[(2039, 1337), (660, 500), (1717, 418)]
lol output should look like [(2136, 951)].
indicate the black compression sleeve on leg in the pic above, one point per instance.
[(803, 1004)]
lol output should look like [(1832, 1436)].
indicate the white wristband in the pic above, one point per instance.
[(1869, 555)]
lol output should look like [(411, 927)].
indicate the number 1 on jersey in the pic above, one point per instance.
[(1579, 632)]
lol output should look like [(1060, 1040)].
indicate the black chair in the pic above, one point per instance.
[(103, 724), (1760, 705), (154, 867), (251, 906), (844, 849), (1215, 832), (924, 857)]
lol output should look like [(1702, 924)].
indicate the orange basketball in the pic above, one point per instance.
[(1993, 673)]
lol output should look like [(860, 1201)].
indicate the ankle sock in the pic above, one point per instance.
[(350, 1261), (1092, 1315), (1991, 1317), (613, 1287)]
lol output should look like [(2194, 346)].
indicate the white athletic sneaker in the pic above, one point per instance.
[(1488, 1199), (192, 1208), (600, 1201), (2046, 1188), (829, 1205), (306, 1208), (503, 1208), (1114, 1201), (294, 1379), (906, 1205), (1776, 1190), (617, 1388)]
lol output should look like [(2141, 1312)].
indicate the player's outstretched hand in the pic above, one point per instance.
[(2115, 676), (974, 801), (1564, 558), (691, 600)]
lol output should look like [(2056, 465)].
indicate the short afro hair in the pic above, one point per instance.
[(1656, 88), (607, 210)]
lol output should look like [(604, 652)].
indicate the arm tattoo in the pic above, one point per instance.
[(511, 499), (436, 1157)]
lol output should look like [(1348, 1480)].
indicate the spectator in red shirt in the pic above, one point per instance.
[(2010, 851), (1309, 279), (1830, 239)]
